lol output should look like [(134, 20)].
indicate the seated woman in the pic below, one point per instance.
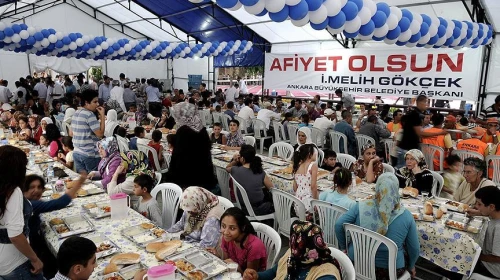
[(111, 123), (36, 128), (24, 130), (45, 121), (385, 215), (234, 138), (342, 179), (309, 257), (217, 137), (54, 138), (305, 121), (246, 169), (415, 174), (369, 166), (200, 221), (303, 137), (239, 243), (166, 120), (110, 160)]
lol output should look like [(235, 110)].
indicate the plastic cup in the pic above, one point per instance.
[(232, 267)]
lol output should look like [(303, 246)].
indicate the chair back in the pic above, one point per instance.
[(249, 140), (493, 163), (168, 158), (321, 155), (365, 244), (292, 133), (158, 178), (217, 117), (65, 128), (245, 204), (283, 203), (432, 152), (338, 142), (243, 124), (225, 203), (363, 140), (150, 152), (223, 180), (463, 154), (122, 144), (170, 199), (225, 118), (59, 125), (282, 149), (206, 117), (437, 184), (327, 214), (347, 270), (389, 145), (388, 168), (346, 160), (259, 128), (279, 134), (271, 240), (318, 137)]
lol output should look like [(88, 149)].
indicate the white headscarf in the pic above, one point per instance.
[(68, 115), (307, 132), (111, 123), (47, 120)]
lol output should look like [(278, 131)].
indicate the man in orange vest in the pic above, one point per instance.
[(443, 141), (492, 134), (474, 145), (395, 125)]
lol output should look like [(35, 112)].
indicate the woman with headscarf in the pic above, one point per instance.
[(36, 128), (303, 137), (200, 221), (110, 160), (45, 121), (133, 164), (111, 123), (368, 167), (415, 173), (385, 215), (309, 257), (191, 163)]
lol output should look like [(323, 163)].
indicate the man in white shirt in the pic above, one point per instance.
[(243, 85), (54, 91), (42, 91), (117, 94), (5, 93), (232, 93), (327, 122), (247, 114), (267, 115)]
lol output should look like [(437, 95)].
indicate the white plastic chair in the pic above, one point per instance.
[(279, 132), (168, 158), (292, 133), (59, 125), (66, 128), (223, 180), (389, 146), (243, 125), (437, 183), (158, 178), (246, 202), (493, 163), (463, 154), (225, 203), (321, 155), (217, 117), (206, 117), (388, 168), (318, 137), (259, 128), (170, 199), (346, 267), (476, 276), (346, 160), (327, 214), (335, 138), (224, 119), (271, 240), (283, 150), (366, 243), (362, 140), (283, 203), (249, 140), (122, 144), (150, 151), (430, 152)]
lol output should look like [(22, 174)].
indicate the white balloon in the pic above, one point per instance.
[(16, 38), (318, 16), (433, 30), (392, 21), (121, 51), (332, 6), (463, 32), (187, 50), (216, 53), (127, 47), (405, 36), (237, 43), (418, 18), (52, 38), (163, 53), (208, 45), (237, 7), (424, 39), (301, 22), (381, 31), (365, 15), (441, 41), (79, 42), (148, 48), (390, 42), (397, 12), (104, 45), (449, 32), (90, 51), (415, 27), (292, 2), (73, 46), (32, 30), (132, 43), (45, 42), (59, 35), (182, 54), (411, 45), (98, 49), (451, 25), (352, 25), (168, 49), (231, 52), (335, 31), (192, 44), (257, 8), (342, 3), (86, 39), (110, 41), (370, 5), (364, 38), (456, 42), (489, 40), (24, 34), (144, 52), (64, 48)]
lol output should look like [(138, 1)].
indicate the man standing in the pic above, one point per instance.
[(87, 131), (232, 93), (122, 79), (129, 97), (243, 85), (205, 94), (153, 96), (346, 99), (104, 90), (395, 125), (344, 127), (116, 94), (5, 93), (492, 111), (42, 91)]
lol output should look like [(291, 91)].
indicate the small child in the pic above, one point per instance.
[(488, 204), (44, 143), (305, 173), (217, 137), (452, 176), (171, 142), (288, 117), (67, 145), (342, 180), (305, 121), (122, 132), (156, 144), (147, 206), (330, 161), (140, 133)]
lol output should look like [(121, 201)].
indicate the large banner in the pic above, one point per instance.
[(442, 74)]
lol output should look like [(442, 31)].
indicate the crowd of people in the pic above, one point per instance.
[(79, 124)]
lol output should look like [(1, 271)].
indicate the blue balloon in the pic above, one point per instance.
[(138, 48), (231, 43), (441, 31), (414, 38), (485, 41), (350, 10), (358, 3), (263, 13), (23, 26), (469, 34), (52, 31), (320, 26), (427, 19), (79, 35), (116, 46), (249, 2), (383, 7), (424, 29), (299, 11), (227, 48), (490, 33), (92, 43), (97, 40), (462, 42), (480, 33), (367, 29), (211, 49), (72, 36), (474, 42), (16, 28), (143, 44), (85, 47), (132, 52), (45, 33), (66, 40), (158, 49), (449, 41), (378, 38), (394, 34), (223, 52), (153, 53), (227, 3), (59, 44), (178, 50), (350, 35), (314, 4), (404, 24), (121, 42), (400, 43), (110, 51), (8, 32), (407, 14), (337, 21), (433, 40), (31, 40), (379, 19), (457, 24), (38, 36), (456, 32), (78, 49), (281, 15), (22, 43), (242, 47), (443, 22), (164, 45), (2, 35)]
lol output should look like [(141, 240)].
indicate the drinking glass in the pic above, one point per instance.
[(232, 267), (425, 196), (235, 276)]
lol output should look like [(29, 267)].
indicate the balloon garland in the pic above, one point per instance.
[(34, 40), (367, 20)]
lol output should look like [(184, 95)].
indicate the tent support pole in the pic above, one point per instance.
[(106, 60), (484, 78)]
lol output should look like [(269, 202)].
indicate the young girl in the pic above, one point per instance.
[(156, 144), (305, 172), (67, 145), (305, 121), (171, 142), (24, 131), (452, 176), (342, 180), (239, 242), (147, 206), (44, 143)]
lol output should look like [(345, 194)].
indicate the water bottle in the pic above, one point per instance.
[(11, 134), (31, 160), (353, 176), (50, 173)]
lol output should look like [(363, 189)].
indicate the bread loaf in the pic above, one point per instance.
[(110, 268), (125, 258), (169, 248), (428, 210)]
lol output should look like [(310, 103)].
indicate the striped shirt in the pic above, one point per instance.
[(83, 125), (490, 112), (59, 276)]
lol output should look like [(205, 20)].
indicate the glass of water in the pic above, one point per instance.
[(425, 196), (235, 276), (232, 267)]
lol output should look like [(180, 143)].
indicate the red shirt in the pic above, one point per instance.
[(166, 102), (253, 250)]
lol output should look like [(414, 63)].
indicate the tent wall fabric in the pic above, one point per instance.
[(184, 67), (66, 66)]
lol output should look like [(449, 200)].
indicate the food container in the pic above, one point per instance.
[(89, 191), (161, 272), (69, 226), (275, 161), (217, 152), (98, 210), (143, 236), (126, 273), (119, 206), (105, 247), (463, 223), (195, 263)]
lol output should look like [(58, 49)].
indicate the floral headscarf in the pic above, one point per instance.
[(378, 213), (420, 158), (137, 163), (110, 145), (307, 248), (37, 123), (366, 147), (141, 113), (203, 203), (187, 114)]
